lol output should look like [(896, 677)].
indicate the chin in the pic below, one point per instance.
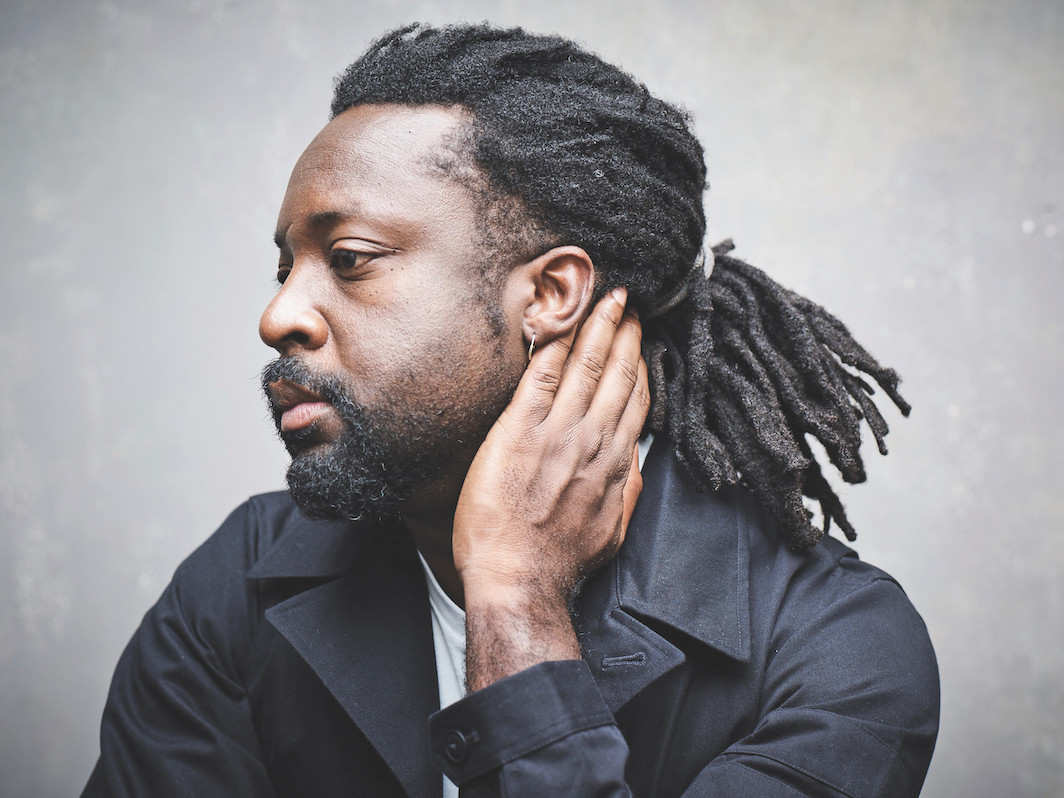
[(306, 442), (298, 451)]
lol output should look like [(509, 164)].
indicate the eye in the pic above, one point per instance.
[(282, 273), (347, 262)]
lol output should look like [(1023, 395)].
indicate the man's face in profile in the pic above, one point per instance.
[(391, 372)]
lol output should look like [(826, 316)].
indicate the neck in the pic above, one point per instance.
[(433, 540)]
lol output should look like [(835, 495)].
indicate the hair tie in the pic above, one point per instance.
[(704, 264)]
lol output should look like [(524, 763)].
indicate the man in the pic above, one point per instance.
[(464, 251)]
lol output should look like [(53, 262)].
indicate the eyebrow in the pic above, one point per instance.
[(315, 220)]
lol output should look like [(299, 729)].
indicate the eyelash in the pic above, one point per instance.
[(355, 260), (335, 262)]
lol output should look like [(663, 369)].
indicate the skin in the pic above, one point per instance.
[(380, 261)]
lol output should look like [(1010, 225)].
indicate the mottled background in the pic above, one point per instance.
[(900, 161)]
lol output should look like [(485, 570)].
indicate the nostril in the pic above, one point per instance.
[(287, 324)]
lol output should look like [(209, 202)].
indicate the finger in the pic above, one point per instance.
[(632, 488), (538, 386), (590, 353), (630, 426), (627, 438), (620, 376)]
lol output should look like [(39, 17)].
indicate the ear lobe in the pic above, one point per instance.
[(564, 280)]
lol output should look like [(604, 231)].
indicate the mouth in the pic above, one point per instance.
[(298, 408)]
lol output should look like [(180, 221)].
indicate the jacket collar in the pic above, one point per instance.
[(303, 548), (683, 567), (685, 560)]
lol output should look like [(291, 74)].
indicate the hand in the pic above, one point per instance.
[(550, 492)]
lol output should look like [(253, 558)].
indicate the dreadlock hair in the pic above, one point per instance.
[(573, 150)]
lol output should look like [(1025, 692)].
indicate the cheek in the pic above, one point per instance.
[(430, 344), (458, 364), (407, 357)]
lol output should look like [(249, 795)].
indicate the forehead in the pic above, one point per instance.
[(379, 161)]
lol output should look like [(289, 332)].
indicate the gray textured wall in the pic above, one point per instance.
[(900, 161)]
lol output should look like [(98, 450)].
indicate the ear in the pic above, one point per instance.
[(562, 282)]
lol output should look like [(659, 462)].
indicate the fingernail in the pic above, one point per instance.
[(620, 293)]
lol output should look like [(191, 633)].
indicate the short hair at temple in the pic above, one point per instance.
[(573, 150)]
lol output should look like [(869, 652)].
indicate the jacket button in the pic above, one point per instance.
[(456, 746)]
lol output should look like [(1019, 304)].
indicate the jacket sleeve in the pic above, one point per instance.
[(849, 707), (176, 720)]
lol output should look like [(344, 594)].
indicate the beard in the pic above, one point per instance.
[(382, 455)]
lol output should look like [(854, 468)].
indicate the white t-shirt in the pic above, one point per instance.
[(448, 638)]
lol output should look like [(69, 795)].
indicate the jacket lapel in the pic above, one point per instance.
[(368, 637), (684, 566), (624, 654)]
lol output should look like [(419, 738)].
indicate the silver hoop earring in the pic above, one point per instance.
[(531, 347)]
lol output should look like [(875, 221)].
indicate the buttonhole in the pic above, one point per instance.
[(625, 660)]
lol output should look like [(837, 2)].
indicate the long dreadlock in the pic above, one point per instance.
[(743, 371), (574, 150)]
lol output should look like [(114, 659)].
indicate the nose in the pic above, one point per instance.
[(292, 321)]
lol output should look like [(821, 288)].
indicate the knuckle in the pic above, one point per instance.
[(545, 381), (642, 396), (595, 445), (627, 370), (592, 362), (620, 469)]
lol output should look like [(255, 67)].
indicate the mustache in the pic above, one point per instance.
[(328, 386)]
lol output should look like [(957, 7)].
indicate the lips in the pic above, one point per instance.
[(299, 407)]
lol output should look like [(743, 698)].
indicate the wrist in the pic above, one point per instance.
[(516, 589), (512, 625)]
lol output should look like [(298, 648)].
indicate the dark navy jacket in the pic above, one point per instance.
[(294, 658)]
